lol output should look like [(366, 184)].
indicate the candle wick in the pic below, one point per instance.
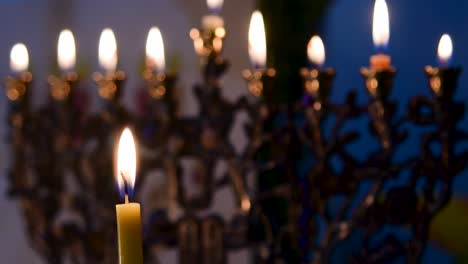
[(125, 186)]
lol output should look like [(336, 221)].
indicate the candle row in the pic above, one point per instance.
[(380, 36), (66, 49), (66, 52)]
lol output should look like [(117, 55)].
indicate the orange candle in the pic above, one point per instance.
[(380, 35)]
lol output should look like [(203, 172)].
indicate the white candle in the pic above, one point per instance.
[(108, 50), (213, 21), (19, 58), (215, 5), (155, 50), (316, 51), (66, 50), (257, 41)]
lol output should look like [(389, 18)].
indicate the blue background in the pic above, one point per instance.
[(416, 27)]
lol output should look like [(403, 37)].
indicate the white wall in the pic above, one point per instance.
[(20, 21), (37, 23)]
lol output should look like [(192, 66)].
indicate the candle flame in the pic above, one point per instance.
[(257, 40), (316, 51), (381, 24), (155, 50), (19, 58), (215, 5), (125, 174), (445, 49), (66, 50), (108, 50)]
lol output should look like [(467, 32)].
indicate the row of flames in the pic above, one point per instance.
[(66, 51)]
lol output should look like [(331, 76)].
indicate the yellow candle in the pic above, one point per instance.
[(128, 214), (129, 233)]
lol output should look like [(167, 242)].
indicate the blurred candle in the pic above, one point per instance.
[(380, 36), (19, 58), (316, 51), (155, 50), (257, 41), (215, 5), (66, 50), (128, 214), (108, 50), (213, 21), (445, 50)]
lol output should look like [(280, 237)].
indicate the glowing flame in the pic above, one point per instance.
[(445, 49), (66, 50), (215, 5), (19, 58), (316, 51), (126, 162), (155, 50), (246, 204), (257, 40), (108, 50), (381, 24)]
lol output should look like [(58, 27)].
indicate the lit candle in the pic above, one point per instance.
[(445, 50), (66, 51), (155, 50), (380, 35), (215, 5), (316, 51), (128, 214), (108, 50), (257, 41), (443, 79), (213, 21), (19, 58), (317, 80)]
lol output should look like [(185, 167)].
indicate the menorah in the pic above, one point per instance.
[(62, 161)]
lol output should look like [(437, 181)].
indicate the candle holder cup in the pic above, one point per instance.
[(17, 88), (208, 45), (61, 88), (260, 82), (160, 85), (208, 42), (378, 83), (443, 81), (318, 83), (110, 84)]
